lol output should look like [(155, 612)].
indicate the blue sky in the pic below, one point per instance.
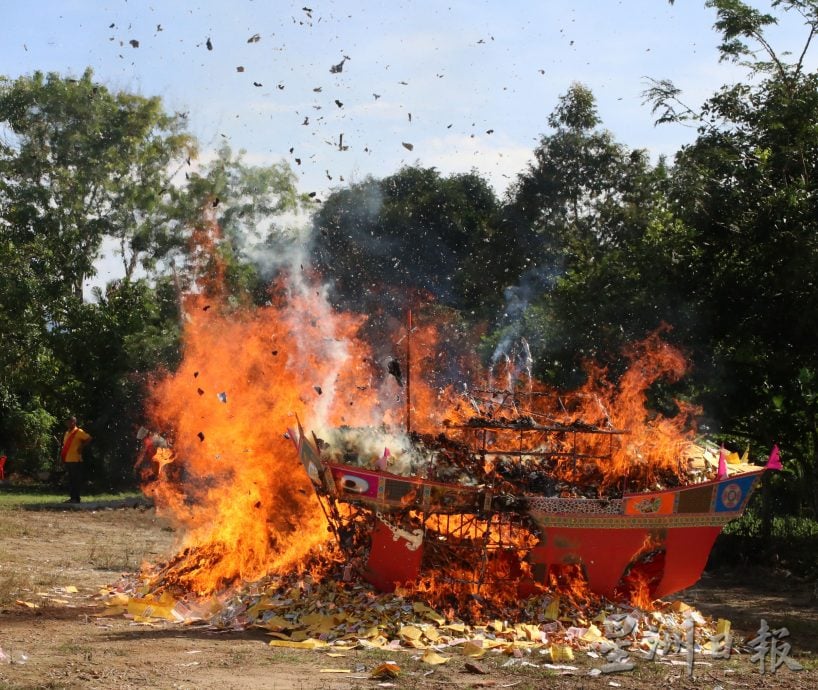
[(478, 78)]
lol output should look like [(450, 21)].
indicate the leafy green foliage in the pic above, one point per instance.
[(746, 191), (82, 163), (258, 212), (413, 233), (592, 216), (78, 164)]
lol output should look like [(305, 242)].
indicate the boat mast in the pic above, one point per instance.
[(408, 372)]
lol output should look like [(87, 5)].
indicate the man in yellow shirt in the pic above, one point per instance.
[(73, 442)]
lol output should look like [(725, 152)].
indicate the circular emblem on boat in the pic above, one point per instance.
[(355, 484), (731, 496)]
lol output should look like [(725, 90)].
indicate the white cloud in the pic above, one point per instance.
[(498, 160)]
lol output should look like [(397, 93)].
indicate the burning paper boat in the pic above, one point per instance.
[(488, 502)]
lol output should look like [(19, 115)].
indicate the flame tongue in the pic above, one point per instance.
[(231, 483)]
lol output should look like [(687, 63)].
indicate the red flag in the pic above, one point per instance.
[(774, 463)]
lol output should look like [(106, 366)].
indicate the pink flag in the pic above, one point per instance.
[(774, 463), (383, 460), (722, 471)]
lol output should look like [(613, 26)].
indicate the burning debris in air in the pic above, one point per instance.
[(469, 499)]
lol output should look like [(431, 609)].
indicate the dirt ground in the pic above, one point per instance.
[(65, 642)]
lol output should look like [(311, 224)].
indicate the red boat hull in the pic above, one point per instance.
[(663, 538)]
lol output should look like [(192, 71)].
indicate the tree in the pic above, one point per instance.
[(82, 163), (257, 214), (78, 163), (746, 189), (589, 214), (108, 350), (410, 234)]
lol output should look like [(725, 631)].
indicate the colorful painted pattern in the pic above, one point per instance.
[(589, 506), (652, 504), (545, 521), (733, 493)]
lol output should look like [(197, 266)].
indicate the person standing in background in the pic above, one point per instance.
[(73, 442)]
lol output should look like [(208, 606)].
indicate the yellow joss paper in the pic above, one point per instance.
[(410, 632), (369, 633), (474, 649), (431, 634), (433, 658), (414, 644), (592, 634), (428, 612), (531, 632), (312, 619), (455, 627), (304, 644), (276, 623), (552, 611), (560, 653), (139, 608)]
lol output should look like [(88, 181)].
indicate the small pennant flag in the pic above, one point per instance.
[(722, 471), (383, 461), (774, 463)]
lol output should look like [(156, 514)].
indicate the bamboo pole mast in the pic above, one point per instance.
[(409, 372)]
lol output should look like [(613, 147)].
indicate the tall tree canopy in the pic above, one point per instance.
[(78, 163), (747, 189), (256, 210), (584, 209), (415, 231)]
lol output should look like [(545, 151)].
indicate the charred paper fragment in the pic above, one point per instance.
[(394, 369)]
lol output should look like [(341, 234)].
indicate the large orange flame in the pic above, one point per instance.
[(232, 481), (246, 508)]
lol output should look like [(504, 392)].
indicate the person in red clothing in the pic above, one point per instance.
[(73, 442), (146, 467)]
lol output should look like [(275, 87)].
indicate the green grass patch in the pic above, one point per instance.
[(11, 497)]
